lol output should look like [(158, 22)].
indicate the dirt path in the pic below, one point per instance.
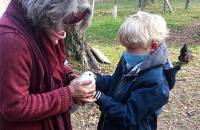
[(189, 35), (183, 110)]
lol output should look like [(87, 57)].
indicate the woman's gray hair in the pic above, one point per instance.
[(142, 28), (84, 5), (49, 14)]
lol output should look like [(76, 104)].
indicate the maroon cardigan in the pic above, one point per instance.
[(32, 77)]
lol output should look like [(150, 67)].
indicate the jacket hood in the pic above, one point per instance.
[(157, 58)]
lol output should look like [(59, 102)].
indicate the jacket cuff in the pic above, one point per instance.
[(98, 94), (101, 100), (66, 98)]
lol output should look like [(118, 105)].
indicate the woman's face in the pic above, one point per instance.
[(64, 27), (58, 33)]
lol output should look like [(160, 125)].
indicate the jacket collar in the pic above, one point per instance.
[(159, 57)]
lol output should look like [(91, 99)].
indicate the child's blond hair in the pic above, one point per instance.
[(142, 28)]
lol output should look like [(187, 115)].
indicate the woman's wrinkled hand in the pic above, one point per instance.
[(79, 90), (83, 101)]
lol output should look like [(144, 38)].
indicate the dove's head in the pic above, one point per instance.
[(89, 74)]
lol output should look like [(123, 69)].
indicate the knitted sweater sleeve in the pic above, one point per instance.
[(16, 102)]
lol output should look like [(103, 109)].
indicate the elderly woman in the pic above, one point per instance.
[(35, 88)]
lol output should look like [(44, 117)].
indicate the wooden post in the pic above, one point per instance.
[(167, 4), (114, 10), (187, 4), (93, 6), (141, 4), (115, 2)]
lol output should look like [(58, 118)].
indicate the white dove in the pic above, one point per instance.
[(88, 75)]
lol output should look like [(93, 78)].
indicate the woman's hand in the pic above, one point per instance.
[(83, 101), (79, 90)]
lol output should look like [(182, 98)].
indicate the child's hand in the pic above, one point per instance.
[(83, 101)]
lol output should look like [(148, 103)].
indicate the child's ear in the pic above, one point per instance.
[(154, 46)]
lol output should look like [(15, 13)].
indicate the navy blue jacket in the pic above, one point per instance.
[(132, 100)]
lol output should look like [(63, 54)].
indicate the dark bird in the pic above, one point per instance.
[(185, 55)]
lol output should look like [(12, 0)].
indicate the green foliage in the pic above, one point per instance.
[(196, 49)]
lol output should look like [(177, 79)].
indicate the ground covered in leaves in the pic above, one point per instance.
[(183, 110), (186, 35)]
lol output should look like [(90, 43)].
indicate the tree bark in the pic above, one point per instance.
[(79, 51)]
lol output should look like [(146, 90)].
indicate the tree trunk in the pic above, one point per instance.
[(79, 51)]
